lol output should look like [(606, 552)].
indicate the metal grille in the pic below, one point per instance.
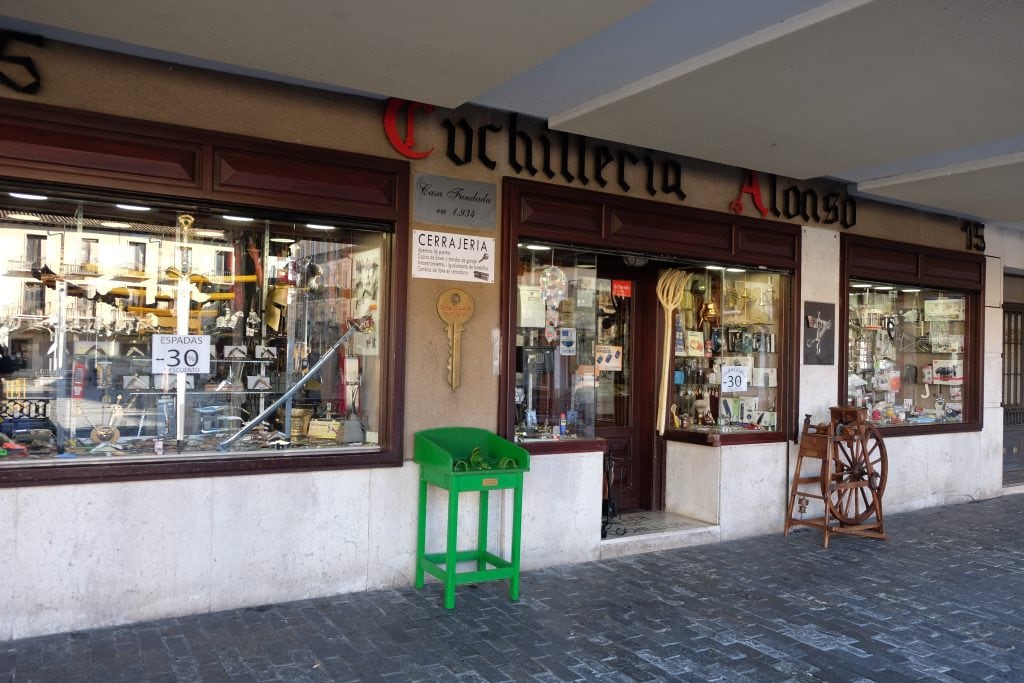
[(1013, 365)]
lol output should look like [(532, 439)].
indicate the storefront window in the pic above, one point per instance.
[(558, 334), (726, 349), (138, 330), (906, 353), (580, 345)]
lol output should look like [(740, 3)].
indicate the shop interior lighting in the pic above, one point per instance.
[(238, 219), (317, 226), (911, 291), (861, 285), (282, 240), (714, 267), (34, 197), (883, 288), (115, 224), (210, 233), (132, 207), (538, 247), (735, 270), (23, 217)]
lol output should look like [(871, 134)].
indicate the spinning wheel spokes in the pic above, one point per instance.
[(855, 476)]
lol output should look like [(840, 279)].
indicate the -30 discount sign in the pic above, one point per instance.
[(181, 353), (734, 378)]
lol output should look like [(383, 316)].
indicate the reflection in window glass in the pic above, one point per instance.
[(177, 331), (906, 353)]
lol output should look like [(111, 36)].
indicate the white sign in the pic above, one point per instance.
[(449, 256), (531, 306), (608, 358), (567, 341), (734, 378), (181, 353)]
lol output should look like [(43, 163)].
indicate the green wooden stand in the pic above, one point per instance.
[(437, 451)]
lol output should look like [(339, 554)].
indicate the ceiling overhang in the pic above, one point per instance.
[(442, 53), (915, 102)]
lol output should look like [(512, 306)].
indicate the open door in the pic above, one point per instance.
[(624, 398)]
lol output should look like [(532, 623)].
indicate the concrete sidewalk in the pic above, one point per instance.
[(942, 600)]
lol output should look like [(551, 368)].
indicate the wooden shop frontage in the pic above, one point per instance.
[(227, 307)]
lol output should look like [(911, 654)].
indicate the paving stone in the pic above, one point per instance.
[(943, 600)]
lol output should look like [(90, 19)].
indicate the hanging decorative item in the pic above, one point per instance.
[(554, 285), (672, 285), (455, 307)]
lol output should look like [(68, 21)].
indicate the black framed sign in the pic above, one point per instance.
[(819, 333)]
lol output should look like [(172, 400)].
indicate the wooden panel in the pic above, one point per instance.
[(544, 216), (946, 271), (768, 246), (282, 176), (869, 260), (669, 234), (81, 154), (907, 264)]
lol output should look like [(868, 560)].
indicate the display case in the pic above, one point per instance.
[(728, 335), (556, 345), (588, 333), (226, 334), (906, 353)]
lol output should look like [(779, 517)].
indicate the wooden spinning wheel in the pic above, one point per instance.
[(850, 481), (856, 472)]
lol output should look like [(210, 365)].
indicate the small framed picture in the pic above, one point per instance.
[(266, 353), (235, 352), (136, 382), (257, 383), (694, 343), (169, 382)]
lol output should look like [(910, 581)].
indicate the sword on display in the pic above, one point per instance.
[(361, 325)]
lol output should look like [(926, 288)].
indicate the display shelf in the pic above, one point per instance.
[(205, 392)]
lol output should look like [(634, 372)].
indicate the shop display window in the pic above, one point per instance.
[(575, 332), (906, 353), (726, 347), (561, 328), (148, 331)]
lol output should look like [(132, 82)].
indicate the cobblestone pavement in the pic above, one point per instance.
[(942, 600)]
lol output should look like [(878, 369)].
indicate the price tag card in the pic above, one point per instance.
[(734, 378), (181, 353)]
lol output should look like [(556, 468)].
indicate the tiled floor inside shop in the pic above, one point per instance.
[(644, 522)]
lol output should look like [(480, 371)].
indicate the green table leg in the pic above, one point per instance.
[(481, 536), (451, 565), (517, 515), (421, 533)]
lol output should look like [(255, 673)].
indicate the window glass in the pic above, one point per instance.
[(906, 353), (575, 335), (143, 330), (727, 346), (557, 335)]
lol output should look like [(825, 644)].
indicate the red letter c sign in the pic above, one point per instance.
[(404, 147)]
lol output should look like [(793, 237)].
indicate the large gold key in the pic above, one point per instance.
[(454, 307)]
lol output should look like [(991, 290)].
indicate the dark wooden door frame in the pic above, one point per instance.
[(644, 457)]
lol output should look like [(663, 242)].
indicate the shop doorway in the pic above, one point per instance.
[(625, 395)]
